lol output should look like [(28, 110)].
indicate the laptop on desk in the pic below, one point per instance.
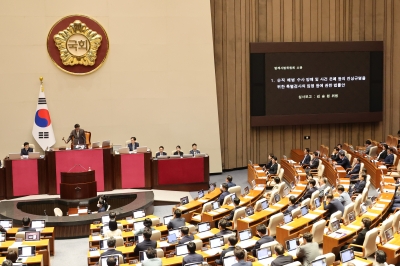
[(138, 214), (245, 239), (39, 225), (123, 150), (229, 260), (167, 219), (26, 251), (200, 194), (96, 145), (291, 246), (142, 149), (138, 225), (32, 236), (172, 239), (304, 210), (389, 234), (184, 200), (181, 250), (347, 255), (14, 156), (176, 232), (287, 218), (264, 255), (2, 237), (216, 245), (142, 256), (319, 262), (249, 210), (105, 219), (103, 244), (33, 155), (6, 223)]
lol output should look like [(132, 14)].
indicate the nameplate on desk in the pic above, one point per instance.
[(95, 234), (341, 171), (127, 229), (92, 249), (299, 171), (319, 211), (133, 261), (271, 209), (163, 244), (248, 197), (202, 200), (128, 244), (260, 171), (382, 167), (301, 185), (278, 205)]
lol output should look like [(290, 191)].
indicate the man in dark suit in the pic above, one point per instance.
[(26, 225), (307, 157), (292, 205), (280, 258), (264, 238), (232, 243), (344, 162), (160, 151), (359, 186), (389, 160), (178, 151), (111, 248), (273, 170), (236, 202), (194, 149), (133, 145), (353, 172), (178, 221), (313, 164), (335, 154), (368, 146), (225, 192), (269, 164), (192, 257), (78, 134), (25, 150), (146, 243), (383, 154), (229, 181), (311, 189), (359, 240), (222, 224), (185, 237), (332, 205), (239, 254)]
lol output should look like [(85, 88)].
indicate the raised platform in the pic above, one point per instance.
[(74, 226)]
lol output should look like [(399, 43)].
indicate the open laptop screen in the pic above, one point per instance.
[(264, 205), (32, 236), (264, 253), (352, 216), (277, 198), (347, 255), (200, 194), (203, 227), (138, 214), (319, 262), (389, 234), (217, 242), (230, 260), (287, 218), (2, 237), (103, 244), (142, 256), (105, 219), (249, 210), (246, 190), (291, 244), (167, 219), (38, 224), (26, 251), (335, 225), (138, 225), (304, 210), (177, 232), (215, 205), (172, 238), (244, 235), (6, 223), (317, 203), (181, 250)]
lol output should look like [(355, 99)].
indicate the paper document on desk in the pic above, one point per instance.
[(97, 238), (205, 234), (301, 185), (271, 209), (278, 205), (377, 209), (299, 171), (94, 253), (359, 262), (220, 210), (213, 213), (341, 171), (162, 244), (382, 167), (259, 188), (337, 234), (391, 246), (297, 190), (310, 216), (371, 214), (248, 197), (291, 161), (182, 207), (213, 251), (203, 200), (82, 211), (354, 226), (379, 205)]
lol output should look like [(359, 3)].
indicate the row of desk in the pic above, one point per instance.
[(138, 170)]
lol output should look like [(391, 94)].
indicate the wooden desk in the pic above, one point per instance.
[(392, 250), (42, 247), (25, 177), (196, 205), (132, 170), (31, 261), (95, 228), (46, 233), (292, 170), (183, 174), (255, 172)]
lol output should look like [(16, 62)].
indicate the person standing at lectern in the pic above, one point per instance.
[(194, 149), (25, 150), (78, 134), (161, 151), (133, 145)]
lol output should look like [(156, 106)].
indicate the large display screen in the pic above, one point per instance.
[(316, 83)]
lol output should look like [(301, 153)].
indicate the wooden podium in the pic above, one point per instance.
[(78, 185)]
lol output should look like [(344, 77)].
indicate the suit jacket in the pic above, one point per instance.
[(230, 216), (194, 152), (360, 239), (224, 232), (333, 206), (231, 184), (345, 199), (81, 139), (345, 163), (273, 170), (176, 223), (262, 240), (382, 155), (190, 258), (355, 170), (222, 197), (25, 152), (242, 263), (314, 163), (220, 260), (308, 252), (178, 153), (335, 157), (359, 186), (268, 165), (389, 159), (291, 208), (159, 153), (144, 245), (282, 260), (131, 147), (186, 238), (306, 159), (309, 192), (152, 262), (368, 149), (112, 251), (321, 190)]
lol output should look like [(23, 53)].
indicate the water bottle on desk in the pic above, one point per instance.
[(90, 169)]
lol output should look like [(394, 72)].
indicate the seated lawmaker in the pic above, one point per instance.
[(308, 250), (314, 163), (223, 223), (359, 186), (307, 157), (353, 172), (114, 231), (146, 243), (225, 192), (368, 146), (382, 155), (152, 259), (177, 221), (229, 179), (281, 259), (26, 225), (185, 236), (240, 254), (194, 149), (26, 150), (192, 257), (311, 189), (343, 162), (332, 205), (160, 151), (335, 154), (147, 224), (359, 240), (236, 202), (111, 248), (344, 197), (264, 238), (389, 160), (178, 151), (232, 243), (273, 170), (292, 204), (133, 145)]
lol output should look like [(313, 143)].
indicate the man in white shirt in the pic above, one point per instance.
[(344, 197)]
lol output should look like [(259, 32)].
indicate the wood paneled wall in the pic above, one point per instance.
[(236, 23)]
